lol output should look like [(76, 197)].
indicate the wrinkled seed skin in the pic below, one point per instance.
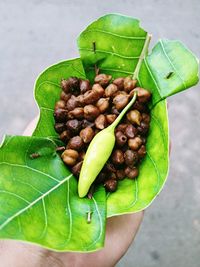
[(87, 134), (131, 173), (90, 112), (101, 122), (60, 115), (103, 79), (117, 157), (110, 90), (121, 138), (119, 82), (103, 104), (111, 185), (120, 101), (84, 86), (75, 143), (73, 125)]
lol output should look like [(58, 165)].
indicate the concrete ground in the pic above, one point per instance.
[(37, 33)]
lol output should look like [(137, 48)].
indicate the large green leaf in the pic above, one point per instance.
[(39, 200)]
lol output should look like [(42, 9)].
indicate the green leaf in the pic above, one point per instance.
[(39, 200), (119, 41), (47, 92)]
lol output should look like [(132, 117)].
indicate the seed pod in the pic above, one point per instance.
[(146, 118), (90, 97), (130, 131), (103, 79), (77, 168), (143, 128), (60, 104), (110, 90), (110, 185), (59, 127), (120, 101), (131, 157), (120, 174), (121, 127), (74, 126), (100, 122), (129, 84), (103, 104), (86, 123), (120, 138), (119, 82), (60, 115), (65, 86), (117, 157), (135, 143), (74, 85), (69, 156), (65, 96), (84, 86), (76, 113), (87, 134), (72, 103), (65, 136), (114, 110), (142, 151), (143, 95), (134, 116), (131, 173), (98, 89), (90, 112), (110, 118), (75, 143)]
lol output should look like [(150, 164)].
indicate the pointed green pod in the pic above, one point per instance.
[(98, 153)]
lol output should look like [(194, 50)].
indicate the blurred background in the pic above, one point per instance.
[(37, 33)]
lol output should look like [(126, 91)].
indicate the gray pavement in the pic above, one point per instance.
[(37, 33)]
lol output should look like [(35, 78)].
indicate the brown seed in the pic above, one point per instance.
[(120, 174), (99, 89), (69, 156), (143, 95), (73, 125), (103, 79), (86, 123), (84, 86), (131, 157), (131, 173), (112, 175), (119, 82), (120, 101), (129, 84), (130, 131), (90, 97), (81, 155), (109, 167), (72, 103), (117, 157), (120, 138), (103, 104), (100, 178), (110, 90), (114, 110), (140, 106), (134, 116), (80, 100), (59, 127), (87, 134), (142, 151), (121, 127), (60, 115), (90, 112), (110, 185), (60, 104), (65, 86), (100, 122), (75, 143), (77, 168), (65, 136), (74, 85), (65, 96), (146, 118), (135, 143), (111, 118), (143, 128), (76, 113)]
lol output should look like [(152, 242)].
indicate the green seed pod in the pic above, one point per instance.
[(98, 153)]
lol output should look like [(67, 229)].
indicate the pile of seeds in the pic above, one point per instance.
[(84, 109)]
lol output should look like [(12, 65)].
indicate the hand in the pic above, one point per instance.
[(120, 233)]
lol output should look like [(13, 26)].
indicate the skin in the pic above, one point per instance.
[(120, 233)]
